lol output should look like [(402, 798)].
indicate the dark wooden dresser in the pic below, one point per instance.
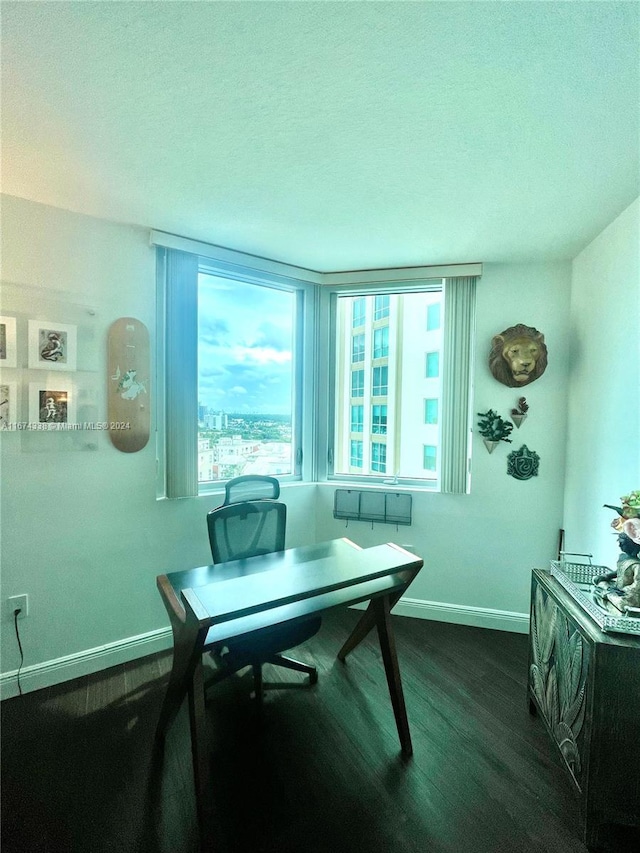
[(585, 684)]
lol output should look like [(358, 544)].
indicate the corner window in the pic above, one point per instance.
[(394, 392), (256, 372), (246, 388)]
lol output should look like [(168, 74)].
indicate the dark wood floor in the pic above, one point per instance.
[(318, 771)]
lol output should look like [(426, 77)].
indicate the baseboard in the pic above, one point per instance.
[(86, 662), (102, 657), (462, 614)]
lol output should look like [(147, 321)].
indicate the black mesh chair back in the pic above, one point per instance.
[(251, 487), (247, 529), (252, 522)]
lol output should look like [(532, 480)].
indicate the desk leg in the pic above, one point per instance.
[(365, 624), (187, 653), (382, 609), (369, 619), (199, 750)]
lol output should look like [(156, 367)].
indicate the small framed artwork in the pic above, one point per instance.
[(8, 405), (52, 346), (51, 403), (8, 342)]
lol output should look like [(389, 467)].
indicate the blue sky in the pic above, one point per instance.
[(245, 336)]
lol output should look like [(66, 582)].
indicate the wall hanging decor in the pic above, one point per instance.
[(523, 464), (52, 404), (493, 429), (518, 356), (519, 414), (8, 405), (8, 342), (128, 404), (52, 345)]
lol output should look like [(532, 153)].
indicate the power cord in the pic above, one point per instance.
[(16, 613)]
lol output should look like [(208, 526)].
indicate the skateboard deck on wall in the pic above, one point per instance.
[(128, 385)]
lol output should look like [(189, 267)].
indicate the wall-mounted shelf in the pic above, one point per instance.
[(364, 505)]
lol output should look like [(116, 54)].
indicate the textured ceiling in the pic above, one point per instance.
[(334, 135)]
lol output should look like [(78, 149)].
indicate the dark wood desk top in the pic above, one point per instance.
[(244, 595), (296, 575)]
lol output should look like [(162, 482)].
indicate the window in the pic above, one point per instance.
[(380, 381), (433, 317), (232, 399), (381, 342), (357, 418), (431, 411), (358, 313), (357, 383), (357, 348), (429, 457), (433, 365), (379, 457), (394, 392), (246, 341), (380, 307), (379, 420)]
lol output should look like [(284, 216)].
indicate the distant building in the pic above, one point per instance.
[(217, 421)]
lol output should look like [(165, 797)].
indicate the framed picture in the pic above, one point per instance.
[(51, 403), (8, 342), (8, 405), (52, 346)]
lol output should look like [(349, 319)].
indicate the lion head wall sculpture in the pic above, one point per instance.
[(518, 356)]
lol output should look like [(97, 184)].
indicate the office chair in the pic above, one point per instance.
[(250, 522)]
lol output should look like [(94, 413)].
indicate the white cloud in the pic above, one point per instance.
[(261, 355)]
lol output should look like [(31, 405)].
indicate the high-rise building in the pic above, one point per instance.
[(388, 385)]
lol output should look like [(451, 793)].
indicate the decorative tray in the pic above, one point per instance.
[(597, 599)]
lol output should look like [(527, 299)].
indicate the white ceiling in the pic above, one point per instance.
[(333, 135)]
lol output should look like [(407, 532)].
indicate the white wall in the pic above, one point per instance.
[(82, 532), (479, 549), (84, 536), (603, 449)]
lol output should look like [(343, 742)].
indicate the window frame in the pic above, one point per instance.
[(313, 453), (328, 319)]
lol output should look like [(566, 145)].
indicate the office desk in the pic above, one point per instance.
[(211, 604)]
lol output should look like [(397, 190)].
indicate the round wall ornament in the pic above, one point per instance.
[(523, 464)]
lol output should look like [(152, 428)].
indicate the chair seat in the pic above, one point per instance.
[(266, 642)]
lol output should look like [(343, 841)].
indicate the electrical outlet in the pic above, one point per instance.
[(18, 602)]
